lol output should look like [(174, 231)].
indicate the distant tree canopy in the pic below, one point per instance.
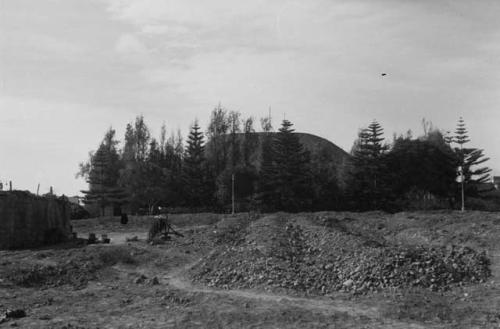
[(276, 171), (421, 168)]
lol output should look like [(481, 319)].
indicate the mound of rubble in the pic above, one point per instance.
[(81, 266), (274, 253)]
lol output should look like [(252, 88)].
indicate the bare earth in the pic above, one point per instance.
[(132, 284)]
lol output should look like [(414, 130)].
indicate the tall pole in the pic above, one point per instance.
[(462, 183), (462, 178), (232, 192)]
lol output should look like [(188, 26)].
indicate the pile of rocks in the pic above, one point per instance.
[(305, 260), (72, 273)]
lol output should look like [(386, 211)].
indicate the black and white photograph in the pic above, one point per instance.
[(249, 164)]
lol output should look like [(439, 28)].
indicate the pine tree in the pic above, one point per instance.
[(367, 185), (286, 179), (267, 198), (469, 159), (103, 186), (194, 169)]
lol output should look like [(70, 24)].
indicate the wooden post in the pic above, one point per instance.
[(232, 193), (10, 185), (462, 184)]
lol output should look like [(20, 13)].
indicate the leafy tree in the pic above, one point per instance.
[(130, 148), (134, 177), (266, 123), (469, 160), (217, 130), (149, 181), (142, 138), (234, 130), (421, 169), (250, 141)]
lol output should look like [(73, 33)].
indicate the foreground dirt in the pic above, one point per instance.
[(137, 285)]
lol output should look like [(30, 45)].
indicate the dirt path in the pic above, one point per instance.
[(177, 279)]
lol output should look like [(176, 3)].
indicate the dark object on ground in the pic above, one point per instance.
[(132, 239), (105, 239), (124, 219), (161, 227), (12, 314), (92, 238), (15, 314)]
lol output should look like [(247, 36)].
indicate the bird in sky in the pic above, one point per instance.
[(383, 74)]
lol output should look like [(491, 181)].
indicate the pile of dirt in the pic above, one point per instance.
[(275, 252), (38, 275), (80, 266), (230, 230)]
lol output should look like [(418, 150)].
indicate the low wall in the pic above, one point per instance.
[(27, 220)]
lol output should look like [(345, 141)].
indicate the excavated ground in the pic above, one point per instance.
[(321, 270)]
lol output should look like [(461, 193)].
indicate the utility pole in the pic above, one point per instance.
[(232, 192), (462, 177), (462, 183)]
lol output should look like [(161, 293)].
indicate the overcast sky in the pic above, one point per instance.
[(69, 69)]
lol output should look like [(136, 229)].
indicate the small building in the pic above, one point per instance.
[(28, 220)]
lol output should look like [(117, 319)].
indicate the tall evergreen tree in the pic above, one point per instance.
[(195, 170), (367, 182), (285, 172), (469, 159), (103, 176)]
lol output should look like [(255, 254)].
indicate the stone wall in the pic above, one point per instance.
[(27, 220)]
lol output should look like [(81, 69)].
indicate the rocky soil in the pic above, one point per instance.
[(321, 270), (321, 258)]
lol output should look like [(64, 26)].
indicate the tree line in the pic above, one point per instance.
[(273, 171)]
